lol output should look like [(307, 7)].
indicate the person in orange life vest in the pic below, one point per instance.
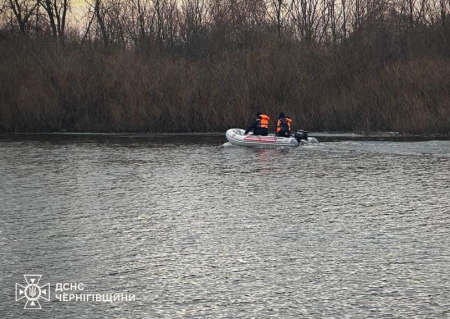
[(260, 125), (284, 125)]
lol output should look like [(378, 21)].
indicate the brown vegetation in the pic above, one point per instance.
[(207, 65)]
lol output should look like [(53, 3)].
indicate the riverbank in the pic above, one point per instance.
[(216, 138), (46, 88)]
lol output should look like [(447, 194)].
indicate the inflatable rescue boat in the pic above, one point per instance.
[(236, 137)]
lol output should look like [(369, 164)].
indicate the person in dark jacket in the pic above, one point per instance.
[(284, 125), (260, 125)]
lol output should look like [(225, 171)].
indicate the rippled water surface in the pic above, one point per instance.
[(342, 229)]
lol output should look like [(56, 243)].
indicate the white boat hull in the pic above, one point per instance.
[(236, 137)]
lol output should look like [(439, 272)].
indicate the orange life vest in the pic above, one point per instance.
[(288, 121), (264, 122)]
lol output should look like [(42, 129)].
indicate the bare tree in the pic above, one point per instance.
[(192, 23), (100, 13), (305, 15), (23, 10), (278, 7), (57, 16)]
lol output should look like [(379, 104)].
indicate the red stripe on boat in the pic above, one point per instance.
[(260, 139)]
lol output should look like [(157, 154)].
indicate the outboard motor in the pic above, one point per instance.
[(301, 135)]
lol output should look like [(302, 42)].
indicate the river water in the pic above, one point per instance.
[(347, 228)]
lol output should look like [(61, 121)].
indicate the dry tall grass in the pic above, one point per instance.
[(86, 88)]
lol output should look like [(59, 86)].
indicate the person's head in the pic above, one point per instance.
[(281, 115), (258, 113)]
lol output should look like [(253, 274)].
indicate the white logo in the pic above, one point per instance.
[(33, 292)]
